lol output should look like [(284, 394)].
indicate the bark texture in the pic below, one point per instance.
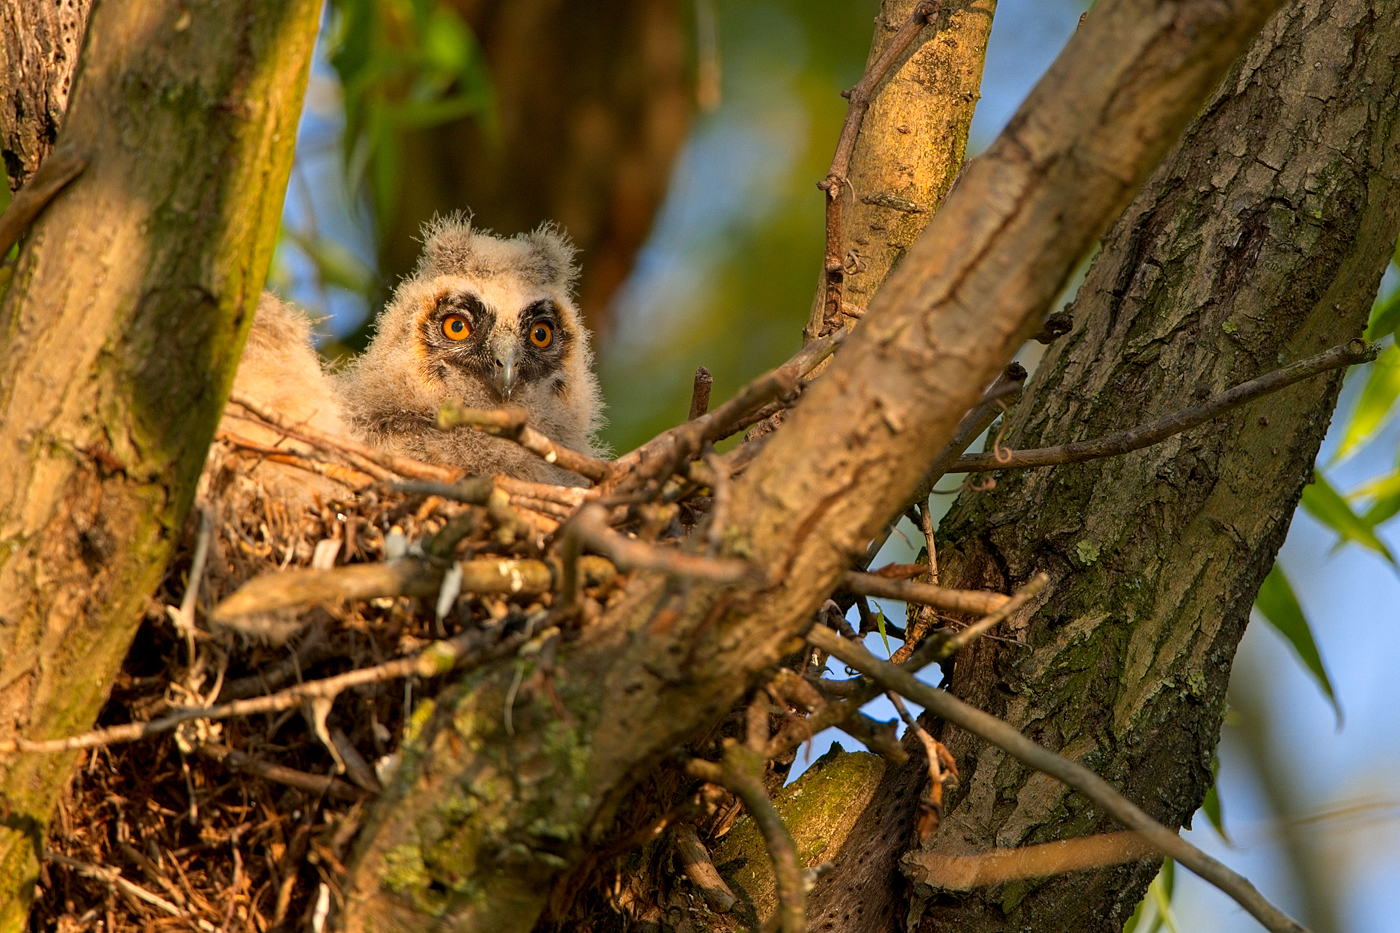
[(478, 820), (39, 46), (121, 332), (911, 143), (593, 102), (1261, 240)]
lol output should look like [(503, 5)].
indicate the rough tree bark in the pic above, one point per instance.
[(593, 100), (39, 45), (1261, 240), (121, 331), (477, 821)]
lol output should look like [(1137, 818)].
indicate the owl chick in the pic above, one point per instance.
[(489, 322)]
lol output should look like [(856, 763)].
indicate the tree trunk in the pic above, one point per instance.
[(478, 820), (1261, 240), (593, 102), (39, 46), (123, 326)]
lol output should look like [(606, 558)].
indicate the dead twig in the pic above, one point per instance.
[(62, 166), (695, 862), (436, 659), (1007, 738), (311, 783), (1121, 442), (972, 602), (931, 805), (837, 178), (114, 878), (409, 577), (512, 425)]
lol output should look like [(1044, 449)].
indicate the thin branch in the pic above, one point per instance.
[(296, 588), (590, 524), (436, 659), (972, 602), (931, 805), (741, 773), (301, 780), (511, 424), (1005, 737), (53, 175), (350, 477), (837, 179), (305, 433), (965, 872), (1121, 442)]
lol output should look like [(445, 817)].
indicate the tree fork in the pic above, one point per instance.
[(1259, 242), (122, 329), (477, 821)]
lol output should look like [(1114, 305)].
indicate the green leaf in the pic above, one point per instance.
[(880, 624), (1327, 506), (1377, 400), (1160, 890), (335, 264), (1385, 317), (1277, 603), (1384, 493)]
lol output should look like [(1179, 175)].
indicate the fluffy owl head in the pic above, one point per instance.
[(485, 320)]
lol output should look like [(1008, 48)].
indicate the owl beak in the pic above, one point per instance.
[(506, 373)]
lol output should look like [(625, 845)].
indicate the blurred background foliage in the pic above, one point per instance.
[(679, 142)]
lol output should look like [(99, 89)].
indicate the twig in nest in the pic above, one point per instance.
[(837, 179), (1122, 442), (354, 478), (741, 773), (511, 424), (1007, 738), (590, 524), (295, 588), (114, 878), (403, 466), (700, 393), (311, 783), (972, 602), (940, 767), (436, 659), (62, 166)]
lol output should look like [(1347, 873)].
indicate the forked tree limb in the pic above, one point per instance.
[(1002, 735)]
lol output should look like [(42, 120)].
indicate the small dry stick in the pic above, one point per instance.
[(590, 524), (511, 424), (700, 393), (973, 602), (348, 476), (311, 783), (965, 872), (741, 773), (837, 179), (114, 878), (1007, 738), (695, 861), (403, 466), (436, 659), (1121, 442), (62, 166), (931, 806)]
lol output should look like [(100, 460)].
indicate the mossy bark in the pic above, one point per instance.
[(121, 332), (1259, 241), (39, 45)]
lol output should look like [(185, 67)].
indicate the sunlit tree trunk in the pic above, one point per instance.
[(121, 332)]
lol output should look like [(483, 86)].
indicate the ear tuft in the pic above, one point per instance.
[(447, 245), (551, 256)]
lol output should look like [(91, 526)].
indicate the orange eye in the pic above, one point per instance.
[(541, 335), (456, 327)]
